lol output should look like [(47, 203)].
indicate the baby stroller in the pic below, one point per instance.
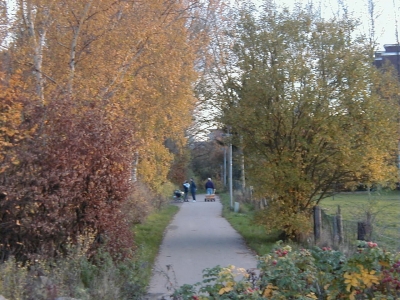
[(179, 195)]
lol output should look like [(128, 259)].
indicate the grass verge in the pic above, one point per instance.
[(354, 205), (149, 236), (382, 208), (254, 235)]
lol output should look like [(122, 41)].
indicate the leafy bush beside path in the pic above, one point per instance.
[(98, 278), (317, 273)]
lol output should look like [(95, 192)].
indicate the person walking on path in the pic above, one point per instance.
[(193, 189), (186, 186), (210, 187)]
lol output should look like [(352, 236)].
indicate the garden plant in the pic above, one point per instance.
[(317, 273)]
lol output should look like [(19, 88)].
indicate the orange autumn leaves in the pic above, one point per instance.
[(134, 58), (100, 81)]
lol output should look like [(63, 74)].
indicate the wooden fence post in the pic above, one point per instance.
[(364, 230), (361, 231), (339, 222), (335, 231), (317, 223)]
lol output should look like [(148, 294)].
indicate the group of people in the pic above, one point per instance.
[(210, 189)]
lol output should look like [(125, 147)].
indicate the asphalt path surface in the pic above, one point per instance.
[(196, 239)]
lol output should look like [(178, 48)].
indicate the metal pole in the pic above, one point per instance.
[(230, 172), (224, 175), (243, 177)]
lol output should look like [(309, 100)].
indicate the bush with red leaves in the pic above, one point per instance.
[(71, 179)]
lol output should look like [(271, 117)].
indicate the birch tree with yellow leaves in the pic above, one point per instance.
[(308, 108), (108, 82)]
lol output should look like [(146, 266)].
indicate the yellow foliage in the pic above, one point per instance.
[(134, 59), (384, 264), (300, 134), (11, 116), (362, 279), (311, 296), (228, 287), (268, 292)]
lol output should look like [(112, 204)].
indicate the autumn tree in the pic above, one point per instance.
[(106, 82), (308, 108), (3, 23), (207, 158), (12, 105), (148, 49)]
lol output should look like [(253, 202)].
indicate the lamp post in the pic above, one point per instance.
[(224, 174), (230, 172)]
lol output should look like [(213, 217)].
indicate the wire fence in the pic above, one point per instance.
[(344, 234), (362, 218)]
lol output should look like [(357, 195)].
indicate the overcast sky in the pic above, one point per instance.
[(386, 11)]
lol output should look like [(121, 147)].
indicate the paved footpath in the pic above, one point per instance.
[(197, 238)]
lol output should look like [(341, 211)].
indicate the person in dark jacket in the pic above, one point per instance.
[(186, 186), (209, 187), (193, 189)]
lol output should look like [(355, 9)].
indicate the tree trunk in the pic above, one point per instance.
[(74, 42), (37, 43)]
